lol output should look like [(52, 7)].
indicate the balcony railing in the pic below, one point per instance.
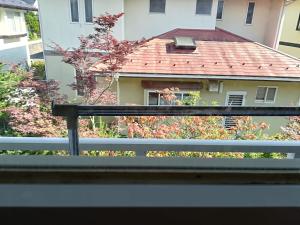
[(72, 113), (173, 190)]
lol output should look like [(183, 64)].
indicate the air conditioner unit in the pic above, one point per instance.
[(215, 86)]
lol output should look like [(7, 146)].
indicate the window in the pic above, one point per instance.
[(266, 94), (203, 7), (74, 11), (234, 98), (157, 6), (250, 13), (14, 22), (298, 23), (220, 9), (155, 98), (88, 4)]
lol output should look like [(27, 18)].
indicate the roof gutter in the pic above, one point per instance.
[(18, 7), (211, 77)]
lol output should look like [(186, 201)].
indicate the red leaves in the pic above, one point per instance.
[(98, 54)]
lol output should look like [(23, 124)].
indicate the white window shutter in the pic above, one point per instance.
[(233, 100)]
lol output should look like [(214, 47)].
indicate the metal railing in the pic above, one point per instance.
[(72, 113), (142, 146)]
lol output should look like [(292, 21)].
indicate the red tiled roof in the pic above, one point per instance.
[(218, 53)]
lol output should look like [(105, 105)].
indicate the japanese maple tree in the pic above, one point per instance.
[(99, 55)]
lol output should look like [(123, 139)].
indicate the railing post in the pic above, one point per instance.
[(72, 123)]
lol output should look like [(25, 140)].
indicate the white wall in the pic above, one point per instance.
[(57, 26), (139, 22), (265, 20), (272, 34), (62, 72)]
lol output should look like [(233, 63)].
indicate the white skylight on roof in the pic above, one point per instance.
[(185, 43)]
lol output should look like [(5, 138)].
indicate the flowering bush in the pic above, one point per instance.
[(195, 127)]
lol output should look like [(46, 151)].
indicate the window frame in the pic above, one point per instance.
[(265, 101), (200, 14), (244, 93), (92, 12), (250, 24), (70, 12), (220, 19), (157, 12), (17, 26), (298, 23), (147, 91)]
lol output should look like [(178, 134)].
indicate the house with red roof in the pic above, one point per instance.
[(225, 68), (224, 49)]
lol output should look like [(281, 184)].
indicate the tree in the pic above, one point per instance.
[(98, 54), (292, 129), (33, 25)]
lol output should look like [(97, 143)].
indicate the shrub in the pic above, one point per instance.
[(33, 25), (39, 69)]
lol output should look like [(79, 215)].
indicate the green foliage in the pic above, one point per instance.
[(39, 69), (9, 81), (33, 24)]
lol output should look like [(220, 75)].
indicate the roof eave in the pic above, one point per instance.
[(18, 7), (205, 76)]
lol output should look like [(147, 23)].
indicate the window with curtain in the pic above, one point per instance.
[(155, 98), (203, 7), (157, 6), (14, 22), (220, 9), (74, 10), (88, 11), (266, 94), (250, 13)]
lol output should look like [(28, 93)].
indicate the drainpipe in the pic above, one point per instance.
[(279, 26)]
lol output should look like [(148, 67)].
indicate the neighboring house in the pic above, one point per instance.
[(13, 32), (33, 3), (290, 36), (63, 21), (225, 68)]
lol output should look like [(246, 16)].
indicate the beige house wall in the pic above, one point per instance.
[(288, 93), (289, 33)]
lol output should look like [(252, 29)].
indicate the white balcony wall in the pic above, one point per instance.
[(139, 22), (57, 26)]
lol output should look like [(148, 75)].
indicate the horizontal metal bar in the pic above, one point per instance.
[(149, 195), (84, 110), (143, 145), (105, 164)]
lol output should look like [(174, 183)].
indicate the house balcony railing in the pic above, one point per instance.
[(175, 189)]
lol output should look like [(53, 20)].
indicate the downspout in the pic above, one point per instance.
[(118, 89), (279, 26), (280, 22)]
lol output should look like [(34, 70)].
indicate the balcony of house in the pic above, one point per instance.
[(175, 189)]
